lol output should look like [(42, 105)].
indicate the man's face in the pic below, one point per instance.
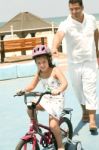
[(75, 10)]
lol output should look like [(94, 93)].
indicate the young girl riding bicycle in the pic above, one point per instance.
[(51, 79)]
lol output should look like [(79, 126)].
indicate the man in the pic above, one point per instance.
[(81, 34)]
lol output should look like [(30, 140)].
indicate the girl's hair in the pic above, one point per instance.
[(49, 58), (76, 1)]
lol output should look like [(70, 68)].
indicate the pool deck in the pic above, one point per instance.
[(13, 117)]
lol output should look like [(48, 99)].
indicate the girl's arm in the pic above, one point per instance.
[(33, 84), (62, 79)]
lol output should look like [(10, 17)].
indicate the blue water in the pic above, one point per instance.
[(57, 20), (14, 120)]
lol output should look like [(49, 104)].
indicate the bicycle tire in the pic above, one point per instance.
[(21, 144), (68, 134)]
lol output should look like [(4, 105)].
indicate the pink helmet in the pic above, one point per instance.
[(40, 50)]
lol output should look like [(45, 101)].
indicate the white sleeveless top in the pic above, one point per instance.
[(52, 104)]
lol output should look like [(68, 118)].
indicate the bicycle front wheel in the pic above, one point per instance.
[(66, 130), (26, 145)]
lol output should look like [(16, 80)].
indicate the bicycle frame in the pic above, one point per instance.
[(31, 135), (46, 138)]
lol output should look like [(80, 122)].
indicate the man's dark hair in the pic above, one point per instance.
[(76, 1)]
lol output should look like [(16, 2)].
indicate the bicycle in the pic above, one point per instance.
[(47, 139)]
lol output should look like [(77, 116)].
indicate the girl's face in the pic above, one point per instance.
[(42, 63)]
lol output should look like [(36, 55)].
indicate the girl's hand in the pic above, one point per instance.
[(55, 92), (20, 92)]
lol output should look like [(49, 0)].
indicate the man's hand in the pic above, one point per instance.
[(55, 52), (97, 53)]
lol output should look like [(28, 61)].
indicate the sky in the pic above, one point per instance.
[(41, 8)]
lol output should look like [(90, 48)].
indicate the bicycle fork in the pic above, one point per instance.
[(31, 138)]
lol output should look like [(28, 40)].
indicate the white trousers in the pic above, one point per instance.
[(83, 77)]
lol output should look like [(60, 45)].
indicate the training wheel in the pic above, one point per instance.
[(78, 146), (75, 145)]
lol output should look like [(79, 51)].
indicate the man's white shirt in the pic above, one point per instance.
[(80, 38)]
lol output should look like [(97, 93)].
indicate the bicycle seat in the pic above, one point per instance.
[(67, 110)]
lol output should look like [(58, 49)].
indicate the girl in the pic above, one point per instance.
[(51, 79)]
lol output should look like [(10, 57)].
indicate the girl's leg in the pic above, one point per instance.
[(54, 126), (32, 113), (33, 117)]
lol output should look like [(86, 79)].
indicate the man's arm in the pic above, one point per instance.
[(96, 37), (58, 37)]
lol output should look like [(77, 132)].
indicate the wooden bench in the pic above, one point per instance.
[(20, 45)]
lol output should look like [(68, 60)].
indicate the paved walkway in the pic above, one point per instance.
[(14, 120)]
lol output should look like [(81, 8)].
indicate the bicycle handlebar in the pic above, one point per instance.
[(31, 94)]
